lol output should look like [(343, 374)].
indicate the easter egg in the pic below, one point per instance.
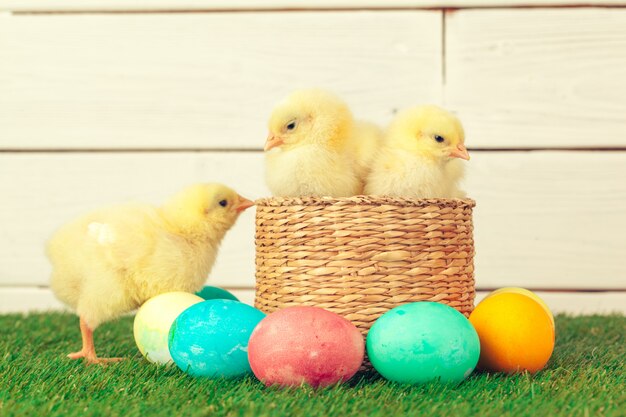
[(211, 293), (307, 345), (422, 342), (153, 321), (516, 333), (528, 293), (210, 339)]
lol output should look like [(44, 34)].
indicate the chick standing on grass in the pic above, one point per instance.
[(420, 156), (315, 147), (109, 262)]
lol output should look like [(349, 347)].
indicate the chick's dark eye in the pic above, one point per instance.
[(439, 139), (223, 203), (291, 125)]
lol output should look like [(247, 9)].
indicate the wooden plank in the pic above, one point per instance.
[(207, 5), (538, 78), (31, 299), (543, 219), (549, 219), (580, 303), (201, 80), (77, 183)]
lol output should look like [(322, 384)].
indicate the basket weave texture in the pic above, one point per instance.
[(362, 256)]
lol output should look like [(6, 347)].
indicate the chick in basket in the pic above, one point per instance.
[(315, 147), (420, 156)]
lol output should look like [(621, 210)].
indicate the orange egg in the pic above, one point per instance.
[(515, 332), (524, 291)]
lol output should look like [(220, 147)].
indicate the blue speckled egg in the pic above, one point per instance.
[(210, 339)]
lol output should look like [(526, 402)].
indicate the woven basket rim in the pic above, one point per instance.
[(370, 200)]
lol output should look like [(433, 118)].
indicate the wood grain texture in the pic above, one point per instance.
[(201, 80), (549, 219), (538, 78), (542, 220), (31, 299), (77, 183), (168, 5)]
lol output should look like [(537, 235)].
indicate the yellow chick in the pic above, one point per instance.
[(315, 147), (363, 147), (111, 261), (418, 157)]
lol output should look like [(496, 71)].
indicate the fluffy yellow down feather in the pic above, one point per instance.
[(110, 261), (419, 157), (315, 147)]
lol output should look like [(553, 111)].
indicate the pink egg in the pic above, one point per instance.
[(308, 345)]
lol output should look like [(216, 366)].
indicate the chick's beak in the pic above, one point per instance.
[(272, 142), (243, 204), (460, 152)]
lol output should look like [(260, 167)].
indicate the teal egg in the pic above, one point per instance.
[(210, 339), (213, 293), (421, 342)]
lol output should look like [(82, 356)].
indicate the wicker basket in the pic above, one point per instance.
[(361, 256)]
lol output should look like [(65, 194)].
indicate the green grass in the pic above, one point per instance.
[(585, 377)]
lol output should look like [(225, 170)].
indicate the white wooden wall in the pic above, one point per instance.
[(109, 101)]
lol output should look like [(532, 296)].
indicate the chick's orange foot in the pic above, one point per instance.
[(92, 358), (88, 352)]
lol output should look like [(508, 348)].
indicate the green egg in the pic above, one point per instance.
[(215, 293), (422, 342)]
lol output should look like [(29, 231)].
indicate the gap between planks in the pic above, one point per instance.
[(319, 9), (31, 299)]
